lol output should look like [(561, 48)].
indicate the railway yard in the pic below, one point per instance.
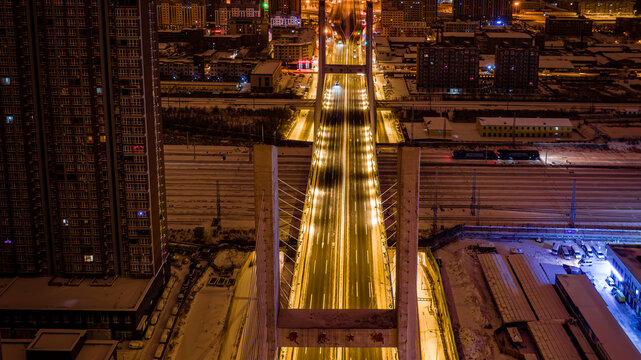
[(513, 193)]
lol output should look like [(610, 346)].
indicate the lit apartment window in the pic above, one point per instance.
[(5, 81), (8, 119), (88, 258)]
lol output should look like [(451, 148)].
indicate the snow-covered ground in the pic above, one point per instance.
[(200, 328), (200, 334), (230, 258)]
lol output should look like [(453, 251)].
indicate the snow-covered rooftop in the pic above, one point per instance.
[(36, 293), (552, 340), (266, 68), (540, 294), (507, 295), (508, 35), (508, 121), (629, 255), (594, 313)]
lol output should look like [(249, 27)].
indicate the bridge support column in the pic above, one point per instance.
[(407, 250), (320, 84), (267, 259), (369, 38)]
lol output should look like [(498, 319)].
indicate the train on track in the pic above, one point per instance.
[(500, 154)]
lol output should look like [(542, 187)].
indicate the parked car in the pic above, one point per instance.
[(150, 332), (165, 336), (159, 351), (135, 345)]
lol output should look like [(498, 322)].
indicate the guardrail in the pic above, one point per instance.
[(500, 233)]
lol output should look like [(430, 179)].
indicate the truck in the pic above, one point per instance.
[(555, 249), (619, 296), (566, 252)]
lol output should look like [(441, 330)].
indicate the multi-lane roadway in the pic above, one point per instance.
[(342, 257)]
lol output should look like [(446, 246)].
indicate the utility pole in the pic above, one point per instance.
[(435, 210), (478, 206), (573, 209), (412, 137), (473, 203), (514, 128)]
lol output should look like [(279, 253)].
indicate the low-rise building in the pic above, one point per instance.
[(295, 47), (600, 327), (626, 272), (460, 26), (285, 20), (459, 38), (265, 76), (606, 7), (229, 70), (182, 68), (491, 40), (523, 127), (50, 344), (568, 26), (118, 308), (628, 26)]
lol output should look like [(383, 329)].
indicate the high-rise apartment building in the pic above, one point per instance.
[(179, 14), (516, 67), (81, 160), (407, 18), (495, 12), (447, 67), (286, 7), (238, 11)]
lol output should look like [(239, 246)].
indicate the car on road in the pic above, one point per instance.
[(165, 336), (135, 345), (159, 351), (174, 310)]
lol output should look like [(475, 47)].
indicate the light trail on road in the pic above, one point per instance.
[(342, 258)]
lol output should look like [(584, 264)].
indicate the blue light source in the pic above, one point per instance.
[(8, 119), (142, 213), (8, 241)]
